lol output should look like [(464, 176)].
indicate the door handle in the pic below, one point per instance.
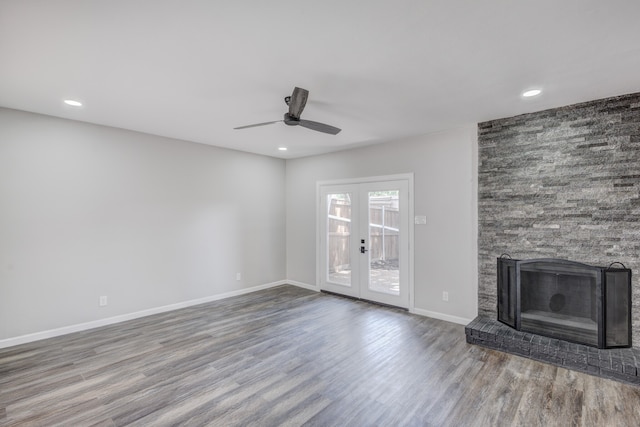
[(363, 250)]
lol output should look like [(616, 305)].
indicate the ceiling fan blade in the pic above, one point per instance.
[(320, 127), (297, 102), (257, 124)]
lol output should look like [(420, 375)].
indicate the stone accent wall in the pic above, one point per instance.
[(561, 183)]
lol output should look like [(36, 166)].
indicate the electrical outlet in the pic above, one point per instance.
[(445, 296), (103, 301), (238, 276)]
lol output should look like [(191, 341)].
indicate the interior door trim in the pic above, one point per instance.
[(346, 181)]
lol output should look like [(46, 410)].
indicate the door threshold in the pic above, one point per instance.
[(381, 304)]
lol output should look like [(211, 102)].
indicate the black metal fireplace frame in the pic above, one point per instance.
[(509, 280)]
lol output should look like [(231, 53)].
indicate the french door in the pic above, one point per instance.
[(364, 240)]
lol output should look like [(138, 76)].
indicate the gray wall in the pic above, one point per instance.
[(444, 167), (561, 183), (147, 221)]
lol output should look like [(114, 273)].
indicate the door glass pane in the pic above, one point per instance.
[(338, 235), (384, 235)]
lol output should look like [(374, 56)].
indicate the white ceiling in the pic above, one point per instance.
[(380, 70)]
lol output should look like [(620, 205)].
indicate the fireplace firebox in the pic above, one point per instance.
[(566, 300)]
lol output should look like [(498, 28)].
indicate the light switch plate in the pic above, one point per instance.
[(420, 220)]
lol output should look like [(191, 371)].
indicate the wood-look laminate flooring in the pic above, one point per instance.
[(288, 356)]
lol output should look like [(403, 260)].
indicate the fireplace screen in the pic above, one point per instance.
[(566, 300)]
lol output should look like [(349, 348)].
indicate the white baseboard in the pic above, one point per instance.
[(418, 311), (303, 285), (24, 339), (441, 316)]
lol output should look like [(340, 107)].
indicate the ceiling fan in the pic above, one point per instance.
[(296, 103)]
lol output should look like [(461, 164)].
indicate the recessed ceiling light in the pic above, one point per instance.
[(532, 92), (73, 102), (282, 148)]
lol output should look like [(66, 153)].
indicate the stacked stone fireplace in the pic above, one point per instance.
[(561, 184)]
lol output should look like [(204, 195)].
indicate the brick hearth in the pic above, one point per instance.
[(617, 364)]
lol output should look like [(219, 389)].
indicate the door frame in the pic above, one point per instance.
[(348, 181)]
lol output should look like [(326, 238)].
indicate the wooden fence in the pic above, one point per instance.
[(384, 221)]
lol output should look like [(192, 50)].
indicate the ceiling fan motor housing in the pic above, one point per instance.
[(297, 102), (290, 120)]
